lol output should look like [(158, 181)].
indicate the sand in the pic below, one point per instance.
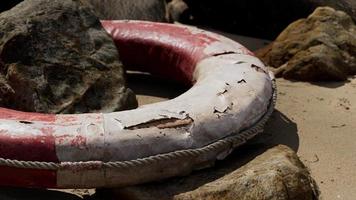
[(317, 120)]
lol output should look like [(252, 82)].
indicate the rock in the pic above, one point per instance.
[(257, 18), (275, 174), (150, 10), (177, 10), (321, 47), (56, 58)]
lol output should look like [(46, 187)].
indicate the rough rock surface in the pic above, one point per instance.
[(150, 10), (257, 18), (177, 10), (56, 58), (275, 174), (321, 47)]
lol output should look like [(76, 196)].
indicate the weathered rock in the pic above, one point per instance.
[(321, 47), (56, 58), (150, 10), (257, 18), (276, 174), (177, 10)]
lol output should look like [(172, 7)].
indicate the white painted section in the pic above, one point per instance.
[(80, 137)]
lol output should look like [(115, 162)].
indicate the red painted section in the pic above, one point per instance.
[(27, 177), (28, 147), (25, 116), (162, 49), (78, 141)]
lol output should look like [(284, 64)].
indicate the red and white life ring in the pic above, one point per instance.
[(231, 97)]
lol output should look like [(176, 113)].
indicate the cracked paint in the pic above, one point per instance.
[(259, 69), (163, 123)]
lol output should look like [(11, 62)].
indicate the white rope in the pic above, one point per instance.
[(233, 141)]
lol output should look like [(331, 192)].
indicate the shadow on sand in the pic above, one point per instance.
[(148, 85), (331, 85), (279, 130), (326, 84)]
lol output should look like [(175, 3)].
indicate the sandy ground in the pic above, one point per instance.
[(318, 120)]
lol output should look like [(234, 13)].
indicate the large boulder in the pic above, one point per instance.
[(275, 174), (320, 47), (151, 10), (55, 57), (257, 18)]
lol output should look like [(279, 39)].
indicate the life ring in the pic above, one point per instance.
[(231, 98)]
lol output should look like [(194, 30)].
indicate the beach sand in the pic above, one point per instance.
[(318, 122)]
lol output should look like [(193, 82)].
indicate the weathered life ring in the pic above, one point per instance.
[(232, 97)]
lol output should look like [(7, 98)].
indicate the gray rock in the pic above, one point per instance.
[(276, 174), (150, 10), (56, 58), (321, 47), (177, 10)]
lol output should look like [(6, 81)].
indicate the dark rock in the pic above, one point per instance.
[(276, 174), (257, 18), (56, 58), (150, 10), (321, 47)]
